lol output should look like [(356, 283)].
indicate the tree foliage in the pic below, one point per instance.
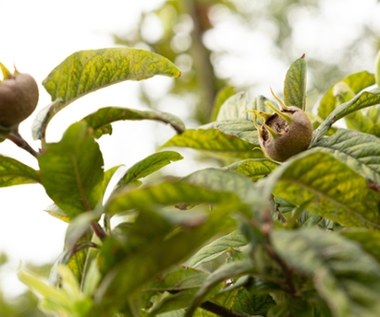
[(247, 237)]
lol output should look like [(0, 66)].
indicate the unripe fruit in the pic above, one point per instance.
[(284, 133), (18, 98)]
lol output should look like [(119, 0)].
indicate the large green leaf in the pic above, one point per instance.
[(166, 193), (224, 181), (329, 187), (360, 151), (215, 248), (360, 101), (295, 84), (356, 83), (150, 250), (178, 279), (13, 172), (223, 95), (102, 118), (368, 239), (149, 165), (216, 141), (241, 128), (225, 272), (72, 170), (89, 70), (236, 107), (346, 277)]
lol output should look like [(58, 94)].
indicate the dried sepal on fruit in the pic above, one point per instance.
[(285, 132), (18, 98)]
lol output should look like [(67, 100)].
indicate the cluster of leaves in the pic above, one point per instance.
[(250, 238)]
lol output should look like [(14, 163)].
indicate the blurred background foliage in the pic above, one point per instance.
[(225, 42), (218, 43), (25, 304)]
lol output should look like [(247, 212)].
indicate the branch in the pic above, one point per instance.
[(219, 310), (17, 139), (98, 230)]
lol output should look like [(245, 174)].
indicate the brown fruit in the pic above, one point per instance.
[(284, 133), (18, 98)]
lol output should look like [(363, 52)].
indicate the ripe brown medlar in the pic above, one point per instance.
[(18, 98), (284, 133)]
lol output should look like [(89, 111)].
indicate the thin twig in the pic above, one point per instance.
[(219, 310), (17, 139), (98, 230)]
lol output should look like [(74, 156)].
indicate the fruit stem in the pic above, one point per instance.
[(17, 139)]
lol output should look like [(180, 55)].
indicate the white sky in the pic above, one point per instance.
[(37, 35)]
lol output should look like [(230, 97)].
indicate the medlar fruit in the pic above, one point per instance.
[(284, 133), (18, 97)]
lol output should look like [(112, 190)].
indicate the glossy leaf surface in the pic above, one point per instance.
[(295, 84), (329, 187), (101, 119), (14, 172), (72, 170), (360, 151), (356, 82), (344, 275)]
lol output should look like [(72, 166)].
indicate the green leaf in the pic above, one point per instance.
[(225, 272), (215, 141), (235, 107), (217, 247), (360, 151), (102, 118), (356, 82), (166, 193), (13, 172), (171, 244), (368, 239), (221, 97), (366, 120), (253, 168), (72, 170), (86, 71), (149, 165), (178, 279), (169, 304), (360, 101), (329, 187), (295, 84), (225, 182), (346, 277), (78, 227)]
